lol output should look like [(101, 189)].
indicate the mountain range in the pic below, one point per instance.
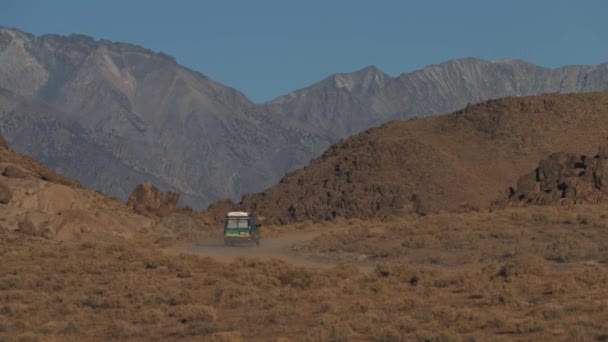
[(113, 115)]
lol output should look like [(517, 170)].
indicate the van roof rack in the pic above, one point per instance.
[(238, 214)]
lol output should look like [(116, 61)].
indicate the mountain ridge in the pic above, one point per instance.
[(159, 121)]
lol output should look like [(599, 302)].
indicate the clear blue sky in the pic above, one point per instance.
[(269, 48)]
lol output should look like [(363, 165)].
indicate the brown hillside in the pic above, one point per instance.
[(466, 158), (37, 201)]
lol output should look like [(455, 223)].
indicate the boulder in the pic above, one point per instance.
[(5, 194), (28, 228), (603, 150), (12, 171), (527, 184), (600, 175), (56, 197)]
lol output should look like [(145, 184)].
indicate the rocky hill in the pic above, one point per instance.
[(460, 160), (115, 115), (37, 201)]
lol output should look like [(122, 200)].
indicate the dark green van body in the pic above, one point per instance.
[(241, 229)]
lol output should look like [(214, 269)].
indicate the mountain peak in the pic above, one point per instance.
[(361, 81)]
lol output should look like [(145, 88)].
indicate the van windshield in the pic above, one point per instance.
[(237, 223)]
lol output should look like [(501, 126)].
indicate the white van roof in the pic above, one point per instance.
[(238, 214)]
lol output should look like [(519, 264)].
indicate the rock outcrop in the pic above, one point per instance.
[(37, 201), (5, 194), (12, 171), (147, 199), (564, 178)]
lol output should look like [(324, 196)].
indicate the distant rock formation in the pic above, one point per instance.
[(565, 178), (146, 199)]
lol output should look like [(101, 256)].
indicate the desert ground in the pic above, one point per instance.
[(530, 273)]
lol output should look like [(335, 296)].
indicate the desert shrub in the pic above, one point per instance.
[(565, 286), (387, 334), (150, 316), (360, 306), (49, 328), (539, 218), (238, 295), (581, 333), (156, 261), (528, 326), (70, 328), (523, 265), (583, 219), (88, 245), (210, 280), (188, 313), (431, 336), (120, 329), (8, 281), (406, 275), (580, 307), (421, 241), (20, 280), (178, 297), (327, 307), (226, 336), (344, 271), (406, 304), (592, 276), (198, 328), (552, 312), (295, 278), (496, 320), (29, 337), (567, 247)]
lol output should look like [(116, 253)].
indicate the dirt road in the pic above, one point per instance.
[(270, 248)]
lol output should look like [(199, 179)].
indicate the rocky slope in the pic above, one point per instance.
[(115, 115), (448, 162), (565, 179), (35, 200)]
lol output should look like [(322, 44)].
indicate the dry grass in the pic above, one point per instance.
[(514, 274), (557, 234)]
